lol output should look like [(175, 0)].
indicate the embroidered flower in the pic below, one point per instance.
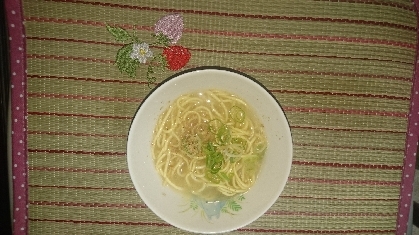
[(141, 52), (167, 31), (177, 57), (170, 26)]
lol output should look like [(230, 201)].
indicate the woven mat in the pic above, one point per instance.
[(342, 70)]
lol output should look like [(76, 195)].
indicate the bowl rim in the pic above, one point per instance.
[(201, 68), (223, 69)]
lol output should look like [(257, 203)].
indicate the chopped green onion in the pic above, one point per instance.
[(251, 162), (223, 135), (216, 178), (225, 177), (215, 167), (240, 141), (214, 125), (260, 148), (212, 177), (214, 159), (237, 114)]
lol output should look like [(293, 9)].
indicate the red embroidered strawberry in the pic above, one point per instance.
[(177, 57)]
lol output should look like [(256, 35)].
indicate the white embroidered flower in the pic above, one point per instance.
[(141, 52)]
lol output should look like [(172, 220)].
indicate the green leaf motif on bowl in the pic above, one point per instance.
[(214, 209)]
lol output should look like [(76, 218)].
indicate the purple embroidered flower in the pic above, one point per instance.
[(167, 31), (141, 52), (170, 26)]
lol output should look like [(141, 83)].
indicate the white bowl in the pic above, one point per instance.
[(174, 207)]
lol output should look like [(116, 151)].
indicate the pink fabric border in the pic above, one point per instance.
[(17, 42), (411, 147)]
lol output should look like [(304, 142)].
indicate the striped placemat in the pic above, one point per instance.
[(342, 70)]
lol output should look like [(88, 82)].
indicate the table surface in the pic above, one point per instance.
[(342, 71)]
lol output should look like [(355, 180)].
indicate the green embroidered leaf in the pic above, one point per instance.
[(124, 61), (120, 34), (234, 206), (162, 39), (240, 197), (224, 210), (194, 205)]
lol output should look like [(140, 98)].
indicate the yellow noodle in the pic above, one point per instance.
[(182, 135)]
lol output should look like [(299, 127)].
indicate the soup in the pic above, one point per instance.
[(209, 144)]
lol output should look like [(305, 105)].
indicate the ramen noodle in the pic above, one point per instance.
[(209, 144)]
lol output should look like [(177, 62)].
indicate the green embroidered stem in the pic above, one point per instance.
[(156, 62), (135, 38), (150, 78)]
